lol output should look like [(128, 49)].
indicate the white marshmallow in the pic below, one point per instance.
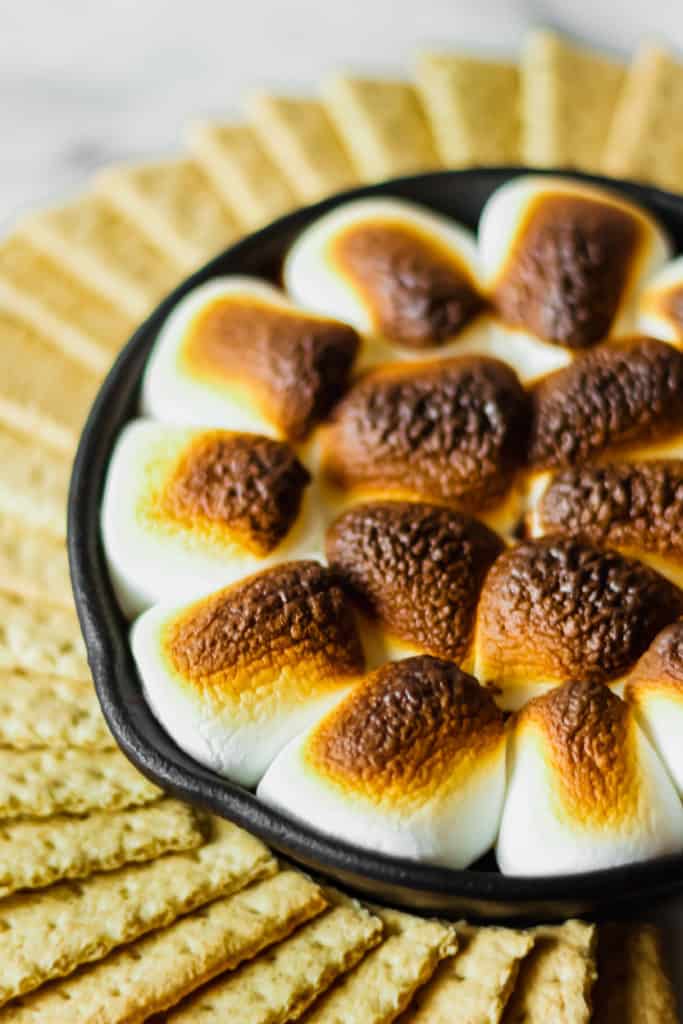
[(500, 230), (655, 690), (574, 801), (653, 315), (234, 711), (316, 282), (248, 396), (402, 801), (153, 557)]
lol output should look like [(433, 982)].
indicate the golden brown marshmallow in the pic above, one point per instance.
[(417, 569), (556, 609), (449, 431)]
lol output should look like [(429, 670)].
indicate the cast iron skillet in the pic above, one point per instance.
[(479, 892)]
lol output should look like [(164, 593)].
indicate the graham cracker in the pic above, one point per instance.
[(556, 978), (175, 204), (33, 564), (241, 171), (633, 985), (473, 107), (42, 783), (46, 711), (81, 320), (157, 971), (43, 392), (47, 934), (474, 986), (569, 96), (107, 251), (35, 854), (383, 983), (302, 140), (383, 125), (34, 483), (40, 637), (282, 983), (646, 136)]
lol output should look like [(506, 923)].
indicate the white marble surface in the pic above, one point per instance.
[(83, 84)]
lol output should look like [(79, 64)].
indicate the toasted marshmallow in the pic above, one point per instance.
[(633, 507), (585, 788), (416, 570), (620, 400), (186, 511), (655, 691), (236, 675), (563, 261), (235, 353), (557, 609), (410, 763), (406, 278), (660, 308), (449, 431)]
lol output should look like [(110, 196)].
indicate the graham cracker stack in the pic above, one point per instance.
[(175, 204), (241, 171), (281, 985), (83, 324), (645, 141), (79, 318), (34, 482), (33, 564), (383, 983), (633, 983), (154, 973), (476, 983), (44, 393), (383, 125), (473, 108), (302, 140), (40, 712), (55, 930), (556, 979), (569, 97), (107, 251), (35, 854)]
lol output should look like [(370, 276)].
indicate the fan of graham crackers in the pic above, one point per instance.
[(118, 904)]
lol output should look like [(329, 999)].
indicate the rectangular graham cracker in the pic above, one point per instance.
[(43, 392), (383, 125), (241, 171), (646, 136), (33, 563), (569, 96), (473, 107), (46, 711), (106, 250), (301, 138), (48, 934), (381, 986), (35, 854), (80, 319), (475, 984), (34, 483), (556, 978), (282, 983), (633, 985), (157, 971), (41, 783), (40, 637), (175, 204)]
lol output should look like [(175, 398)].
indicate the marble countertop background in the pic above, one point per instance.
[(84, 84)]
